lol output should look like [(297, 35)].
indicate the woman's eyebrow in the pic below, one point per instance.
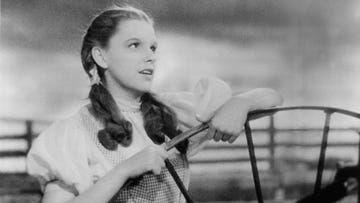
[(132, 39), (138, 39)]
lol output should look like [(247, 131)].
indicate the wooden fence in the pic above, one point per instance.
[(271, 131), (18, 182)]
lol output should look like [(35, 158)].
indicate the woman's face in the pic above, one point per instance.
[(130, 56)]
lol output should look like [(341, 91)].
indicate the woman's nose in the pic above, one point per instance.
[(151, 57)]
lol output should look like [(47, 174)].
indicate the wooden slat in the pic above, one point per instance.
[(12, 153), (225, 160), (282, 144), (13, 137)]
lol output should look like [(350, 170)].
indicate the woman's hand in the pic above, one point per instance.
[(150, 159), (228, 121)]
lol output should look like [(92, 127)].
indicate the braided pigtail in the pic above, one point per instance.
[(117, 130), (160, 120)]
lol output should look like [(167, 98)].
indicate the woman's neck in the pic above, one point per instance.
[(118, 91)]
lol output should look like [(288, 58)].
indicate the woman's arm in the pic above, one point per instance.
[(228, 120), (212, 101), (261, 98), (149, 159), (101, 191)]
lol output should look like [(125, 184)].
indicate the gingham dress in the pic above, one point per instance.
[(151, 188)]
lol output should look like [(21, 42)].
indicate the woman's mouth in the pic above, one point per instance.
[(147, 71)]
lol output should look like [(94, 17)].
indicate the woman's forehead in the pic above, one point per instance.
[(129, 29)]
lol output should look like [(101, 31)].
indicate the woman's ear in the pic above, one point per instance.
[(99, 57)]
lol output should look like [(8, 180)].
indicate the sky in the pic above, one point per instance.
[(308, 51)]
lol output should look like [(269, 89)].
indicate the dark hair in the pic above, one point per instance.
[(158, 118)]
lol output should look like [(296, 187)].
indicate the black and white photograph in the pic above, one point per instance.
[(179, 101)]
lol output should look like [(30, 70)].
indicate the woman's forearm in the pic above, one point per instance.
[(102, 191), (261, 98), (105, 188)]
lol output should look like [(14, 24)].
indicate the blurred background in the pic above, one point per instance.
[(307, 50)]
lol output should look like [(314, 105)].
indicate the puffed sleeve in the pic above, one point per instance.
[(60, 154), (208, 95)]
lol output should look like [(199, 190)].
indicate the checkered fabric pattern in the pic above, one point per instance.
[(151, 188), (154, 188)]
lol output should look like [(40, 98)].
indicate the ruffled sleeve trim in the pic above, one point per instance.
[(60, 153)]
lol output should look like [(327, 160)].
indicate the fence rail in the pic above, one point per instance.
[(271, 145), (271, 131)]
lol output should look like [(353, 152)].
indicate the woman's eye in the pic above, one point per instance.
[(134, 45)]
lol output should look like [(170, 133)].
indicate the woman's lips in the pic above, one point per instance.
[(146, 71)]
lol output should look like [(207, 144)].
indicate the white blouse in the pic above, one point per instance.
[(69, 152)]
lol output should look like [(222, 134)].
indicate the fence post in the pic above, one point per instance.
[(272, 143), (29, 133), (358, 178)]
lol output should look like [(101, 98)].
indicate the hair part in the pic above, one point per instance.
[(159, 120)]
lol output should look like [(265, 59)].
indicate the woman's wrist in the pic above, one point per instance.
[(245, 102), (124, 170)]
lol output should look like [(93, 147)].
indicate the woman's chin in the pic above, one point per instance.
[(143, 90), (146, 86)]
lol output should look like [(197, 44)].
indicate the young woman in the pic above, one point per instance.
[(120, 134)]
